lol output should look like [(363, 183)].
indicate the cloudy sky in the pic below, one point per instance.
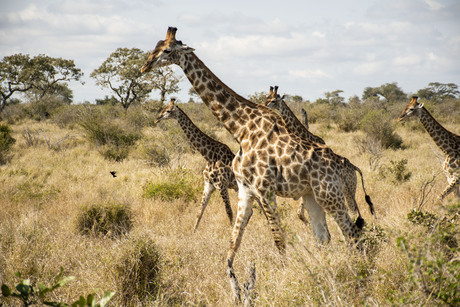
[(306, 47)]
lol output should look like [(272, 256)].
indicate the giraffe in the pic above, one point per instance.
[(270, 161), (218, 173), (305, 118), (348, 171), (448, 142)]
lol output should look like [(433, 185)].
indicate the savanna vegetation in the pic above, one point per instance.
[(96, 199)]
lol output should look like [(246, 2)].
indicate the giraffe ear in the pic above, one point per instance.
[(420, 106), (284, 96), (186, 49)]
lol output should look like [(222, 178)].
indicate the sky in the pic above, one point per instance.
[(307, 48)]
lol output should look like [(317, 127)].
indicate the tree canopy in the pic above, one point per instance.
[(121, 72), (389, 91), (437, 91), (38, 76)]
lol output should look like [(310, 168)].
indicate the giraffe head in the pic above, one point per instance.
[(168, 112), (413, 108), (166, 52), (273, 99)]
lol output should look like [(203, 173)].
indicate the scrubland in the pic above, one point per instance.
[(58, 170)]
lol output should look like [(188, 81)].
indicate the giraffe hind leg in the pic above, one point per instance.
[(228, 209), (454, 183), (207, 192)]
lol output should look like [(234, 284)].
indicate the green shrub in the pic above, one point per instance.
[(179, 184), (377, 125), (43, 108), (397, 170), (138, 274), (113, 134), (6, 141), (433, 267), (348, 119), (110, 219)]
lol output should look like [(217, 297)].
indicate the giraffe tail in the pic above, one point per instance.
[(366, 197), (360, 222)]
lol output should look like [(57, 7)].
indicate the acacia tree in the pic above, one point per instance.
[(438, 91), (390, 91), (121, 72), (165, 81), (53, 73), (37, 76)]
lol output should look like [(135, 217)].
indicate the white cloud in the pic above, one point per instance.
[(311, 75), (408, 60), (434, 5), (368, 68)]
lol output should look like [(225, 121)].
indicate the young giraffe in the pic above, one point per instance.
[(447, 141), (218, 173), (271, 161), (348, 171)]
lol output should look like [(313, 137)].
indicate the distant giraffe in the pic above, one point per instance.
[(348, 170), (218, 173), (271, 161), (447, 141), (305, 118)]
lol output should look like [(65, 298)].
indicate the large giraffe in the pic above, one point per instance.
[(271, 161), (447, 141), (218, 173), (348, 171)]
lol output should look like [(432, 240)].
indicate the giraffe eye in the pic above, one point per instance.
[(167, 51)]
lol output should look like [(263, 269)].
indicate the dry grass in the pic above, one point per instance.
[(42, 193)]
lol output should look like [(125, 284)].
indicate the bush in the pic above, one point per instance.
[(105, 219), (434, 267), (6, 141), (139, 274), (348, 119), (113, 135), (396, 169), (179, 184), (377, 125)]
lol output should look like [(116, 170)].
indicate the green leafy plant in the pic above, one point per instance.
[(30, 294)]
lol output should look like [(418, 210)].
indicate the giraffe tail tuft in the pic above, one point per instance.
[(371, 205), (360, 222)]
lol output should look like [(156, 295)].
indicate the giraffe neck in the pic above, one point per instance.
[(204, 144), (292, 123), (231, 109), (448, 142)]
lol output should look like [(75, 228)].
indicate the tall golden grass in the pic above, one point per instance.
[(44, 190)]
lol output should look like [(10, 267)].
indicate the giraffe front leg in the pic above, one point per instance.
[(242, 216), (207, 192)]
